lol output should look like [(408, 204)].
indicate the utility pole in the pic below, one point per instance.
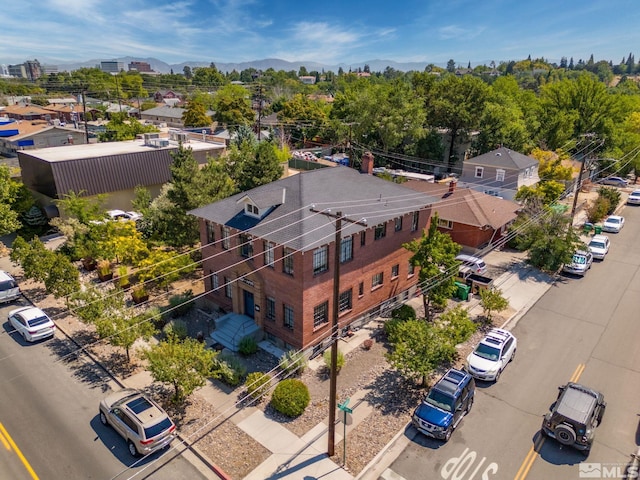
[(333, 378), (84, 114), (578, 186), (259, 108)]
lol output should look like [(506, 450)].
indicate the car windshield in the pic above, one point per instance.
[(613, 220), (579, 259), (157, 429), (38, 321), (487, 351), (440, 400), (595, 244)]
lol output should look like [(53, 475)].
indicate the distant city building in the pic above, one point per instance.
[(48, 69), (140, 67), (18, 71), (33, 69), (112, 66), (4, 71), (307, 79)]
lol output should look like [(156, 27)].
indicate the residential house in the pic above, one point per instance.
[(269, 253), (472, 219), (161, 95), (112, 168), (28, 112), (500, 173), (17, 135), (169, 116)]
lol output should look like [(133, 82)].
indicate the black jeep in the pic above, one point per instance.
[(574, 416)]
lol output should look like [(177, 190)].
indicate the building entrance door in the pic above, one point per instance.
[(249, 304)]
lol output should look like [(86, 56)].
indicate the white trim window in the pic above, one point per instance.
[(443, 223), (479, 172), (269, 253), (500, 175)]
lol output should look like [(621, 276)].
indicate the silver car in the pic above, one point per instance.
[(580, 263), (143, 424)]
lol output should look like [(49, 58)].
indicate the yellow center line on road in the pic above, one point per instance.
[(527, 463), (578, 371), (530, 458), (15, 448), (5, 442)]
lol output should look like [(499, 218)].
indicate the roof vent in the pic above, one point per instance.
[(498, 154)]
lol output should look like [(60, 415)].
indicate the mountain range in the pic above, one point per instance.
[(275, 63)]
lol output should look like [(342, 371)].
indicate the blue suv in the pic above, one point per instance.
[(447, 402)]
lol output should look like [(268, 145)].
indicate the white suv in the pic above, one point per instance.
[(492, 355), (599, 246)]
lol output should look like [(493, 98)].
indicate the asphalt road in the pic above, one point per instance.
[(583, 329), (49, 426)]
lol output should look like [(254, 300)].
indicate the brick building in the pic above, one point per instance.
[(269, 252)]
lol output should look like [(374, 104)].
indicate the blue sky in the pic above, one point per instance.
[(325, 31)]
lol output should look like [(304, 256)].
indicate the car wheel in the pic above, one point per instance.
[(103, 418), (498, 375), (469, 405), (132, 449), (447, 434), (601, 414), (565, 434), (513, 355)]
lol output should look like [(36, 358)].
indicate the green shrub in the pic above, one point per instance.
[(257, 384), (180, 305), (598, 209), (403, 312), (176, 328), (248, 346), (456, 325), (327, 360), (290, 397), (293, 362), (229, 369), (611, 194)]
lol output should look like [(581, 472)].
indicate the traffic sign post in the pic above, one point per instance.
[(346, 419)]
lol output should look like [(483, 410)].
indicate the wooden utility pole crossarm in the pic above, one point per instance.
[(333, 379)]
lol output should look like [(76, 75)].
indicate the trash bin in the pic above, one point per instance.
[(597, 229), (462, 291), (587, 227)]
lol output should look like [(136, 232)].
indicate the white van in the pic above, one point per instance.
[(9, 289), (475, 264)]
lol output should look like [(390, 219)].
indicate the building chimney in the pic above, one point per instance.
[(367, 163), (452, 186)]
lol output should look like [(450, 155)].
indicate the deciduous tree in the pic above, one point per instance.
[(435, 254), (185, 365)]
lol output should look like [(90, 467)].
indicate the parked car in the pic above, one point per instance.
[(613, 223), (143, 424), (614, 181), (9, 289), (475, 264), (492, 355), (574, 416), (599, 246), (450, 399), (32, 323), (122, 215), (580, 263), (634, 198)]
